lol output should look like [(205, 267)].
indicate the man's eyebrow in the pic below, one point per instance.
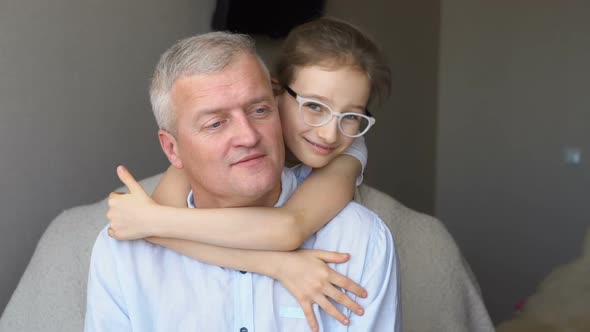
[(259, 99), (209, 111), (204, 112)]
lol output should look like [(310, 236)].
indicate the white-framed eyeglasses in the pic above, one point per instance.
[(317, 114)]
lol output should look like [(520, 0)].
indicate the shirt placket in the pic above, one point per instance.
[(244, 306)]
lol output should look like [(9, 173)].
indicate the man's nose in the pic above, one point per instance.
[(329, 132), (246, 133)]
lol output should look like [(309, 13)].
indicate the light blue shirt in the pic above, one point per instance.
[(139, 286)]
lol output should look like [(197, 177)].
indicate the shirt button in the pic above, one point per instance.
[(243, 272), (243, 329)]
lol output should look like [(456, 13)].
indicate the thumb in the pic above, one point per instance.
[(128, 180)]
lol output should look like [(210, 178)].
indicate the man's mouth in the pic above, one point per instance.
[(249, 159), (320, 148)]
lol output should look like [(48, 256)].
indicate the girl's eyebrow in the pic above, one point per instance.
[(314, 96), (329, 102)]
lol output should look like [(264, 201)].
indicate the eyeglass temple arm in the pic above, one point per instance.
[(291, 92)]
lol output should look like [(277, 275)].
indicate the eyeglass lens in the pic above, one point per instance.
[(316, 114)]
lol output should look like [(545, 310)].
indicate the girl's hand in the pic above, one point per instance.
[(305, 274), (129, 213)]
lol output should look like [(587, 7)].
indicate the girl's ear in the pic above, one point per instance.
[(277, 89)]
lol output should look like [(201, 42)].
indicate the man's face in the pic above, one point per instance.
[(229, 139)]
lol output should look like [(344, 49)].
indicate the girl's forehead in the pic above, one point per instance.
[(328, 76), (327, 67), (344, 85)]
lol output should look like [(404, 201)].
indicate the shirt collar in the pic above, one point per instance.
[(288, 186)]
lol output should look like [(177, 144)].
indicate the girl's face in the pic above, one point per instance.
[(343, 89)]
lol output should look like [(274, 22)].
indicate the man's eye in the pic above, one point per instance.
[(214, 125), (260, 112)]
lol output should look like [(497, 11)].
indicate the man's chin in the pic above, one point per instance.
[(256, 175), (263, 192)]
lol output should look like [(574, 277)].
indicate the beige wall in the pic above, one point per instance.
[(402, 144), (514, 78)]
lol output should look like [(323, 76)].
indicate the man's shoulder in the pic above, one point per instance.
[(105, 243), (356, 213), (357, 221), (359, 210), (360, 232)]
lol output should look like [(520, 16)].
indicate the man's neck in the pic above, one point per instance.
[(290, 159), (203, 199)]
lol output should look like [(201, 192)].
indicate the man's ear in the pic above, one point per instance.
[(170, 147)]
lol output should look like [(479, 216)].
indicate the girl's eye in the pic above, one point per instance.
[(314, 107), (351, 117)]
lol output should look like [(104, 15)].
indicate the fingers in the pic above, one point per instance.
[(330, 256), (310, 316), (347, 284), (117, 235), (115, 194), (128, 180), (343, 299), (331, 310)]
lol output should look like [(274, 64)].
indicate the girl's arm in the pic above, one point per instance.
[(317, 200), (172, 189), (303, 272)]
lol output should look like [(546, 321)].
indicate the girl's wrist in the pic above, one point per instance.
[(273, 268), (153, 222)]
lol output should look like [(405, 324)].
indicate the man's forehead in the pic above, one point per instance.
[(204, 93)]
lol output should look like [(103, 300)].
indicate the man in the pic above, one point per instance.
[(224, 131)]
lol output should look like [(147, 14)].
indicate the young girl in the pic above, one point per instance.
[(326, 73)]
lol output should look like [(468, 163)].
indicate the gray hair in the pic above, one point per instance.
[(206, 53)]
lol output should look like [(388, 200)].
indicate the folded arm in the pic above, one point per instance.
[(284, 228), (303, 272)]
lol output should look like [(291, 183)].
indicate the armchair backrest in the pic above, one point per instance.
[(438, 293)]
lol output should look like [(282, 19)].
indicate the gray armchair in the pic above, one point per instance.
[(439, 292)]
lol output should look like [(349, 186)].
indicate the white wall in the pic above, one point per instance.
[(514, 78), (73, 104)]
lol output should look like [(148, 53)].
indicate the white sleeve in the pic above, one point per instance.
[(381, 279), (358, 149)]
